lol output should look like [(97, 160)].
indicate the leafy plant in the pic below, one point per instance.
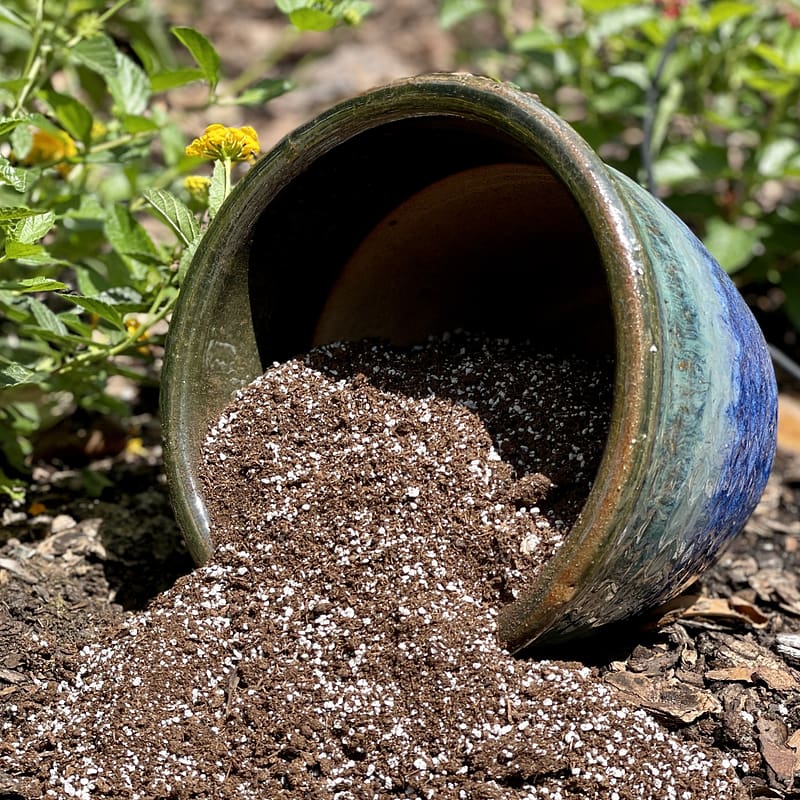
[(698, 100), (89, 149)]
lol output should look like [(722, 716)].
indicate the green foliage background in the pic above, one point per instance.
[(696, 99), (89, 147)]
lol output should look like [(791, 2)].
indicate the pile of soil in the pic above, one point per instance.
[(370, 514)]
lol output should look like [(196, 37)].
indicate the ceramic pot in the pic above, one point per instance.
[(449, 201)]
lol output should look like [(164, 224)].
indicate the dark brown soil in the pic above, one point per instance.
[(719, 669), (342, 642)]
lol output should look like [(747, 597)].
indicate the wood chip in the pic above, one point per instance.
[(788, 646), (670, 699), (14, 568), (742, 674), (780, 759), (777, 585), (794, 742), (11, 676)]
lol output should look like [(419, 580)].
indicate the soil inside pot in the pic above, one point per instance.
[(371, 510)]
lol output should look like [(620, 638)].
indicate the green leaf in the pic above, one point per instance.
[(13, 213), (174, 213), (721, 12), (171, 79), (101, 308), (73, 115), (666, 110), (27, 253), (451, 12), (310, 19), (128, 237), (16, 177), (321, 15), (263, 91), (776, 156), (98, 53), (636, 73), (8, 124), (129, 86), (618, 20), (31, 229), (202, 51), (538, 39), (136, 123), (45, 318), (11, 87), (16, 375), (21, 141), (13, 489), (94, 482), (216, 191), (12, 18), (65, 341), (599, 6), (778, 86), (37, 284), (676, 165), (731, 245), (173, 143), (187, 256), (77, 324)]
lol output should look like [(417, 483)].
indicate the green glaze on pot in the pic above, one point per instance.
[(540, 224)]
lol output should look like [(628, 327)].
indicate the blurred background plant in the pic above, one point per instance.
[(696, 99), (100, 206)]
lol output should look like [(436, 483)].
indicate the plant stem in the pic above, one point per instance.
[(651, 111), (107, 14), (34, 61), (228, 165)]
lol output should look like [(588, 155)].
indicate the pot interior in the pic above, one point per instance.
[(420, 226)]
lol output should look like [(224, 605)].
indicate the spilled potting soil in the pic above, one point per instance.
[(371, 510)]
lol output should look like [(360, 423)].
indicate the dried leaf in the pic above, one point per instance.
[(741, 651), (749, 611), (726, 608)]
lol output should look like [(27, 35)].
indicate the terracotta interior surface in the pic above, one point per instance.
[(460, 253), (422, 226)]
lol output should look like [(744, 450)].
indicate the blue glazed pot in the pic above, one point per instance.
[(450, 200)]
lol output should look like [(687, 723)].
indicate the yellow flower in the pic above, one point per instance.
[(99, 130), (135, 446), (133, 326), (226, 144), (197, 186), (48, 146)]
